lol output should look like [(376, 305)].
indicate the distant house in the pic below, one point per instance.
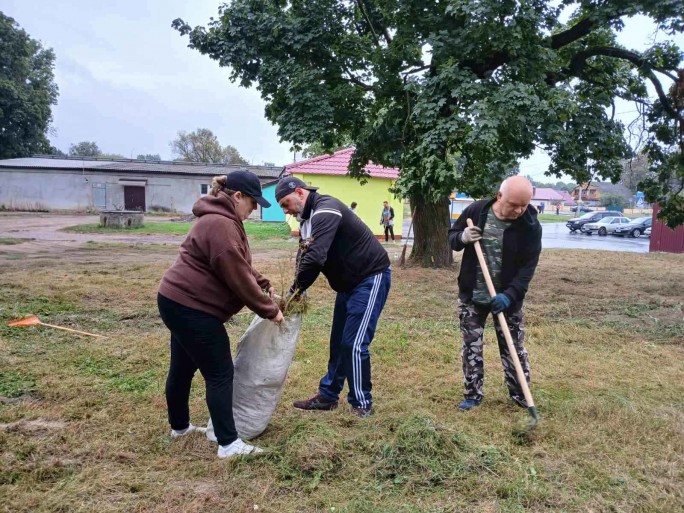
[(330, 173), (78, 183), (273, 213), (458, 203), (547, 196), (592, 194), (567, 199)]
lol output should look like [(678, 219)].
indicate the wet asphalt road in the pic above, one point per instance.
[(557, 236)]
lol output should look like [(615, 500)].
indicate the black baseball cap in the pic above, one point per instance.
[(288, 184), (246, 183)]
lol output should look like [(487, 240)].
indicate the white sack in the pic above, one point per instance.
[(262, 358)]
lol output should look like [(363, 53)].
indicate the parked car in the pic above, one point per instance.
[(577, 223), (580, 208), (634, 228), (647, 232), (606, 225)]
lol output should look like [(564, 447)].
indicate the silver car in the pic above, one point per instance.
[(606, 225)]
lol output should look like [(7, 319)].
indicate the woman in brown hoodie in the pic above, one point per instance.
[(211, 280)]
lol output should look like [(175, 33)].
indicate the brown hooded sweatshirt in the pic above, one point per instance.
[(213, 272)]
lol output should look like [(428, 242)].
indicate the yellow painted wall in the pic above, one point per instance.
[(369, 198)]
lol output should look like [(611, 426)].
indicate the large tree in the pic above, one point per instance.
[(85, 149), (317, 148), (203, 146), (148, 156), (454, 92), (27, 92)]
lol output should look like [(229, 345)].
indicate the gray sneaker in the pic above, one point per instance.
[(190, 429), (362, 413)]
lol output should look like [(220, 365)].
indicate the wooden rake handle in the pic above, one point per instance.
[(504, 325), (69, 329)]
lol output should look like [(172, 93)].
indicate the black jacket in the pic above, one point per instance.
[(336, 242), (521, 249)]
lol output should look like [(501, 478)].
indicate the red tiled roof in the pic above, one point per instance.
[(569, 200), (337, 164), (546, 193)]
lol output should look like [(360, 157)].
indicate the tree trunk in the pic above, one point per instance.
[(430, 227)]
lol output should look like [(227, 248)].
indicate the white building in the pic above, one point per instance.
[(78, 183)]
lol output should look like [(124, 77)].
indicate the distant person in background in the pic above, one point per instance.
[(557, 210), (387, 220), (541, 207), (353, 206)]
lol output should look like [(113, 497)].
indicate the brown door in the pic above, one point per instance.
[(134, 198)]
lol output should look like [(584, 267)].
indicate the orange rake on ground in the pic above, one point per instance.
[(33, 320)]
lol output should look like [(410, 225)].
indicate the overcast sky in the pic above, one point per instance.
[(128, 81)]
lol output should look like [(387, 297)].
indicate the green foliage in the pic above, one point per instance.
[(27, 92), (558, 185), (665, 150), (55, 151), (149, 156), (635, 171), (453, 93), (85, 149), (613, 200), (203, 146), (317, 148)]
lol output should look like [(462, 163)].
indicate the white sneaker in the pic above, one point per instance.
[(187, 431), (238, 448)]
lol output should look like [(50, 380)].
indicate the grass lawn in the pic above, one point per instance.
[(10, 241), (255, 230), (83, 421), (552, 218)]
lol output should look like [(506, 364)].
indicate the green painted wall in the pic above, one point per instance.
[(369, 198)]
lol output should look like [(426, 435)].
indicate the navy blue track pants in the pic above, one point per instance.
[(354, 320)]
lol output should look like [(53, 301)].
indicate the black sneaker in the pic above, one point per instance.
[(362, 413), (317, 402)]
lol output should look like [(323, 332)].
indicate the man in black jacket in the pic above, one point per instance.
[(336, 242), (510, 236)]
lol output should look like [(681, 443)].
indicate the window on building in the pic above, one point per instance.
[(204, 189)]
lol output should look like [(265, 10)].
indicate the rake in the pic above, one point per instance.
[(402, 260), (33, 320), (531, 408)]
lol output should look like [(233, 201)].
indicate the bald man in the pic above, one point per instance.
[(510, 236)]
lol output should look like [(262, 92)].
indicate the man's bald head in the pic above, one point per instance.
[(517, 185), (513, 198)]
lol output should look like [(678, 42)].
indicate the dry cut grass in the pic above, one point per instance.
[(83, 428)]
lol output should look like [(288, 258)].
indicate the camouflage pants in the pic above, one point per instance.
[(473, 319)]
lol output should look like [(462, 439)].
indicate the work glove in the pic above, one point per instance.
[(500, 302), (471, 234)]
